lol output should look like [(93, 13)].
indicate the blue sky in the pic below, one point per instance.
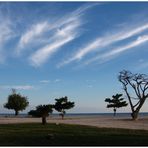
[(75, 49)]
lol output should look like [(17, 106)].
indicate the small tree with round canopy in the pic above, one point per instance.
[(116, 102), (16, 102), (42, 111)]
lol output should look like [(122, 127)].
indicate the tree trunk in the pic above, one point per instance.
[(135, 115), (16, 112), (44, 120), (62, 115), (114, 112)]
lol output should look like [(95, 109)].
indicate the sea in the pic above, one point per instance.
[(142, 114)]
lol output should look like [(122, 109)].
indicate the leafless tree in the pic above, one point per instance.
[(136, 89)]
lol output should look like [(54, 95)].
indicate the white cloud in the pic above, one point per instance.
[(57, 80), (81, 53), (73, 16), (6, 33), (100, 42), (37, 31), (117, 51), (17, 87), (85, 7), (60, 38), (31, 34), (41, 55), (54, 34), (49, 81), (45, 81), (68, 29)]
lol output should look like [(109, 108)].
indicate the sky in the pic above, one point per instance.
[(77, 49)]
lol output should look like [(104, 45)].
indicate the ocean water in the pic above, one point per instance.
[(143, 114)]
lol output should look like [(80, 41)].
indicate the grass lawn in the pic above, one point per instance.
[(35, 134)]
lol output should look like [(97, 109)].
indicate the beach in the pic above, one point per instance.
[(97, 121)]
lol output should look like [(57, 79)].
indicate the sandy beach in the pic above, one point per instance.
[(98, 121)]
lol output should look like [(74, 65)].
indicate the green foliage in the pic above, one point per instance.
[(42, 111), (63, 104), (34, 113), (16, 102), (116, 102)]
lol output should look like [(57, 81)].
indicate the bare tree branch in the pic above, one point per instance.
[(139, 83)]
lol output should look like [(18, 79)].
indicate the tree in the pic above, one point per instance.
[(116, 102), (42, 111), (16, 102), (137, 86), (63, 104)]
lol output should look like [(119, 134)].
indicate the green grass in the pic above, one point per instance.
[(35, 134)]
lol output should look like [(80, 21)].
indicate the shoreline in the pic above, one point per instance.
[(97, 121)]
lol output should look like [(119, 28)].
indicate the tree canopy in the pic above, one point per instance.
[(63, 104), (16, 102), (136, 89), (42, 111), (116, 102)]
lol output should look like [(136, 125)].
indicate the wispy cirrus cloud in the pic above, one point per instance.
[(119, 50), (51, 81), (63, 37), (6, 33), (62, 31), (17, 87), (57, 80), (45, 81), (81, 53), (74, 16), (100, 42), (35, 31)]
